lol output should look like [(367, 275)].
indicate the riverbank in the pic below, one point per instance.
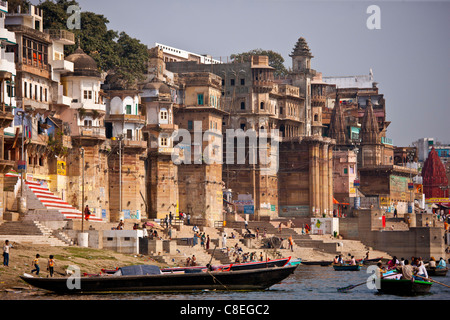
[(89, 261)]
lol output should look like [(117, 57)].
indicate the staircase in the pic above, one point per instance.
[(28, 232), (40, 197)]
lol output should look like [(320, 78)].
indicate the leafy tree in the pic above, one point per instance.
[(13, 4), (117, 54), (275, 59)]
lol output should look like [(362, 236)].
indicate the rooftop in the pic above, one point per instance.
[(360, 81)]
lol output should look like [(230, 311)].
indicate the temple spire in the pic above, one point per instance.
[(337, 125), (369, 127), (434, 177)]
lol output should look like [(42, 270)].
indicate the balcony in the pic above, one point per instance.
[(7, 62), (262, 86), (63, 36), (62, 66), (91, 132), (131, 144), (387, 141), (6, 116), (34, 104), (126, 118), (7, 36), (4, 6), (89, 105), (160, 127)]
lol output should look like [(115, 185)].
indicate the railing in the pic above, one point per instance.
[(218, 224), (61, 34), (4, 4), (126, 117), (386, 141), (92, 131)]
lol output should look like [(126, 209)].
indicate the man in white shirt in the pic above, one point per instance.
[(6, 248)]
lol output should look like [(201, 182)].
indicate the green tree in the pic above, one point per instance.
[(275, 59), (117, 54), (13, 4)]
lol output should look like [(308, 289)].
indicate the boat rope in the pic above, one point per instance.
[(215, 279)]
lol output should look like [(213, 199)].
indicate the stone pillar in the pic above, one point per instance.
[(316, 184), (312, 195), (330, 179), (324, 180)]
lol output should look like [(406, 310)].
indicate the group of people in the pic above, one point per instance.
[(35, 263), (191, 262), (339, 260), (416, 268)]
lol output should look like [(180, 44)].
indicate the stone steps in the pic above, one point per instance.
[(35, 240), (41, 200), (19, 228), (28, 232)]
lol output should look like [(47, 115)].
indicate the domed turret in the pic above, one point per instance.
[(83, 64)]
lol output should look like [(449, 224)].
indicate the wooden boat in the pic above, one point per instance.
[(404, 287), (346, 267), (294, 262), (369, 261), (437, 272), (148, 278), (329, 263), (234, 266)]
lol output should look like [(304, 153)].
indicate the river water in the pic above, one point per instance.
[(310, 291), (307, 283)]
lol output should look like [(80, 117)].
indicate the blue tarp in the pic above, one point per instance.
[(139, 270)]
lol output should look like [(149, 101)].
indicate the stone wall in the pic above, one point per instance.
[(123, 241), (417, 241)]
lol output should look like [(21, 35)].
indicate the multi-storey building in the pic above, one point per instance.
[(171, 54), (364, 153), (87, 159), (7, 97), (255, 101), (200, 173), (126, 160), (159, 97)]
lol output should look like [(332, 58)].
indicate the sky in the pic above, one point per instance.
[(409, 54)]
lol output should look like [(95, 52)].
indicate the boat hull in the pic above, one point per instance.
[(294, 262), (346, 268), (235, 267), (404, 287), (259, 279), (436, 272)]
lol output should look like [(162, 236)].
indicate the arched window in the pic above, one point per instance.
[(262, 106)]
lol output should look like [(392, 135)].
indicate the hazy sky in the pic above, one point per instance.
[(409, 55)]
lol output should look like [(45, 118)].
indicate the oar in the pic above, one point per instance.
[(353, 286), (212, 256), (429, 279)]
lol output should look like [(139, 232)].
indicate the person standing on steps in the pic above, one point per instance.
[(207, 242), (291, 243), (87, 213)]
